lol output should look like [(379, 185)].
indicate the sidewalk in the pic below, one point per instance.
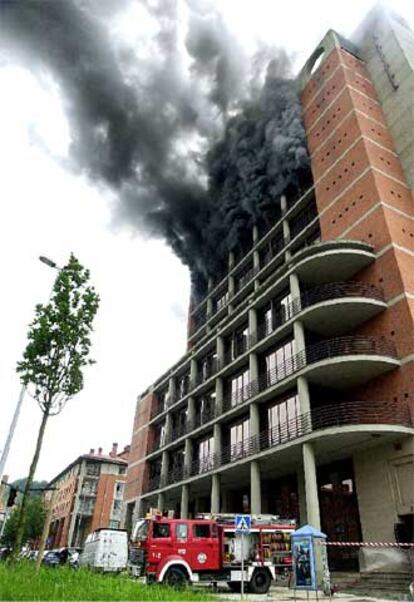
[(284, 594)]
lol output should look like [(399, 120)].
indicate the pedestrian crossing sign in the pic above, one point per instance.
[(243, 523)]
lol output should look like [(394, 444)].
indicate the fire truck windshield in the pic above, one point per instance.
[(141, 530)]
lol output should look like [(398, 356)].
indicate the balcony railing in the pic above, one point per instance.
[(350, 413), (302, 221), (342, 346), (338, 290), (317, 294)]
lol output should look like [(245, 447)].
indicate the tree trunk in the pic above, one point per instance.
[(22, 511)]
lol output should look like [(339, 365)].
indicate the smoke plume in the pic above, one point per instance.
[(195, 143)]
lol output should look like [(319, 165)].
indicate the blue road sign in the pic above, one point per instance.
[(243, 523)]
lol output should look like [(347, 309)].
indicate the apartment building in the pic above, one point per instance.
[(90, 494), (296, 395)]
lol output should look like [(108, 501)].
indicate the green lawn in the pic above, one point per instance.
[(20, 582)]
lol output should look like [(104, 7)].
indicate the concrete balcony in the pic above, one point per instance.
[(333, 260), (357, 301), (334, 429), (349, 361)]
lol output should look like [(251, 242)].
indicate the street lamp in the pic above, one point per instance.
[(6, 449)]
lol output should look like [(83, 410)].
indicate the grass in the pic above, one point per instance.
[(20, 582)]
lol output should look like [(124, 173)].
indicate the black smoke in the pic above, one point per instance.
[(196, 152)]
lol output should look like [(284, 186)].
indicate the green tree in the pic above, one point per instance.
[(56, 353), (34, 519)]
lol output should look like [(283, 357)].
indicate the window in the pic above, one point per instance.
[(181, 531), (201, 531), (280, 363), (117, 505), (93, 469), (161, 530), (239, 435), (114, 524), (122, 470), (206, 454), (239, 388), (284, 419), (183, 385)]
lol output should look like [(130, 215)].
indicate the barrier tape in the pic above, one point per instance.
[(366, 544)]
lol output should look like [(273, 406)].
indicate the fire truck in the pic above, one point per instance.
[(207, 549)]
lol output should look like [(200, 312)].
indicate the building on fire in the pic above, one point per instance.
[(296, 394)]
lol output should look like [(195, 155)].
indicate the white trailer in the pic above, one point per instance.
[(106, 550)]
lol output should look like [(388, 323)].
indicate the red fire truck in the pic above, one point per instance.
[(207, 549)]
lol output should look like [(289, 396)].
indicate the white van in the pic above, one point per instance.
[(106, 550)]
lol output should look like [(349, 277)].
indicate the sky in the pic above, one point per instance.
[(47, 209)]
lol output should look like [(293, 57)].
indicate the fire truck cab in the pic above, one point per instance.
[(207, 549)]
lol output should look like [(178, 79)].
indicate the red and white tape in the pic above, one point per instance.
[(366, 544)]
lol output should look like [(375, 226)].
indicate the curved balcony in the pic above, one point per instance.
[(333, 260), (321, 305), (349, 361), (331, 422)]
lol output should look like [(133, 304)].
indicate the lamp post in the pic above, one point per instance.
[(13, 424)]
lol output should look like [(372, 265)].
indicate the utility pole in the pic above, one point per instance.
[(12, 428)]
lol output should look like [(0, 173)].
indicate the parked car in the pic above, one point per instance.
[(51, 558), (61, 556), (106, 550)]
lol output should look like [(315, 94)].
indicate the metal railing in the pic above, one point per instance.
[(317, 294), (350, 413), (333, 348), (302, 221)]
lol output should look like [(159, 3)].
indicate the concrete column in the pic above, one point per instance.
[(294, 286), (255, 488), (215, 493), (191, 410), (286, 231), (138, 511), (254, 372), (168, 428), (188, 456), (302, 497), (184, 501), (311, 486), (299, 335), (209, 309), (193, 373), (161, 502), (231, 281), (283, 204), (219, 396), (254, 420), (164, 467), (256, 257), (172, 390), (220, 352), (217, 434), (253, 324), (303, 393)]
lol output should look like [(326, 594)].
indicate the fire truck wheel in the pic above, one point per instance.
[(260, 582), (175, 577)]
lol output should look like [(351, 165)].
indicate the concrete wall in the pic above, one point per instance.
[(384, 476), (387, 46)]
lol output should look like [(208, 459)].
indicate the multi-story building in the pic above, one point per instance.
[(296, 395), (89, 496)]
